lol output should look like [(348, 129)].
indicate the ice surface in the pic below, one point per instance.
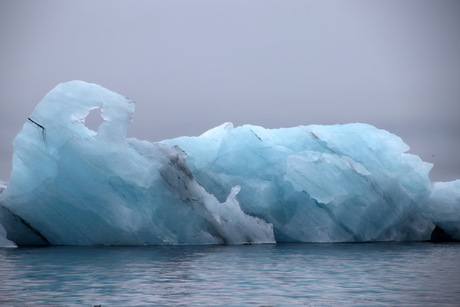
[(444, 207), (71, 185), (343, 183), (4, 242)]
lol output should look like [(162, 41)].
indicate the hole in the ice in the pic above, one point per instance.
[(94, 119)]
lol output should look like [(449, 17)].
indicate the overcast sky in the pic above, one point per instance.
[(192, 65)]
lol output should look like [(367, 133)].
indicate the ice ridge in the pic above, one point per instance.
[(71, 185)]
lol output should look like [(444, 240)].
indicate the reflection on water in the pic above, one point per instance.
[(282, 274)]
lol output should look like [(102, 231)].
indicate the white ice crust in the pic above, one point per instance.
[(342, 183)]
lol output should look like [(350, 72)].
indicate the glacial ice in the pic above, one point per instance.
[(231, 185)]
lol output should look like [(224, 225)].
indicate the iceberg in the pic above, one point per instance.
[(71, 185)]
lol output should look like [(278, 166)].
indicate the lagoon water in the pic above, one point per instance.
[(397, 274)]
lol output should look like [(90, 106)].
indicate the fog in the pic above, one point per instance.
[(192, 65)]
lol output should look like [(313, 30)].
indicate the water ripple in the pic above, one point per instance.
[(282, 274)]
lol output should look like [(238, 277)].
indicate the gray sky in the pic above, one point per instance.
[(192, 65)]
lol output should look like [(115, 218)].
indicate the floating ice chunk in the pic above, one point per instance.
[(71, 185), (444, 208), (317, 183)]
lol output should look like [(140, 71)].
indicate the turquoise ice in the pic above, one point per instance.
[(231, 185)]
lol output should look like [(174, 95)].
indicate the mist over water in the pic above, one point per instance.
[(288, 274)]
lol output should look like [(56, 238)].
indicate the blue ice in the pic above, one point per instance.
[(71, 185)]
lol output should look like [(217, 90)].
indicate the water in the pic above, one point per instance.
[(384, 274)]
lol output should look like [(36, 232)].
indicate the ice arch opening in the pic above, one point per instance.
[(94, 119), (79, 187)]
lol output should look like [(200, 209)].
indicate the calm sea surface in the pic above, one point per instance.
[(399, 274)]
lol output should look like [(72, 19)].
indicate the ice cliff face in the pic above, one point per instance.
[(346, 183), (71, 185)]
